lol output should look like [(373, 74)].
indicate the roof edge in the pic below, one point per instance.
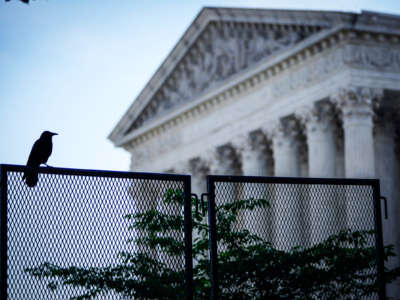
[(361, 21)]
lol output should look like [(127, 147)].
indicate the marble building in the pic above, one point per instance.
[(275, 93)]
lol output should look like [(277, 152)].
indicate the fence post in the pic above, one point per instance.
[(3, 233), (188, 239), (212, 239), (379, 241)]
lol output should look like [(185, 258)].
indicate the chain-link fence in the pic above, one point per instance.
[(297, 238), (80, 232)]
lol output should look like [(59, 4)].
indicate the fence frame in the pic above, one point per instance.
[(186, 179), (374, 183)]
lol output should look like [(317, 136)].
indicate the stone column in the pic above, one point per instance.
[(199, 169), (286, 148), (254, 154), (325, 209), (287, 205), (387, 170), (226, 162), (321, 141), (255, 157), (357, 104), (357, 107)]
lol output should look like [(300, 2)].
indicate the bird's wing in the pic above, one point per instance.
[(46, 149), (34, 159)]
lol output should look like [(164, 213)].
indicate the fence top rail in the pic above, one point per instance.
[(293, 180), (98, 173), (184, 177)]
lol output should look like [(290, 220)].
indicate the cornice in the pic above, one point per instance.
[(184, 43), (207, 15), (235, 85), (243, 81)]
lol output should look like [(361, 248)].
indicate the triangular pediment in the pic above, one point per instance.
[(222, 50), (220, 43)]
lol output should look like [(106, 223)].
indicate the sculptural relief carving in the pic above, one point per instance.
[(376, 57), (380, 58), (221, 51)]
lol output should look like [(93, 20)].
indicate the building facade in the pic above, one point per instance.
[(275, 93)]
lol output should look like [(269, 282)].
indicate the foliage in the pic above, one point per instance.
[(342, 266)]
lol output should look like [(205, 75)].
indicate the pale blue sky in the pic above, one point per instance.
[(74, 67)]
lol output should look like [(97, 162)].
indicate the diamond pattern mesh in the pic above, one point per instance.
[(78, 220), (298, 214)]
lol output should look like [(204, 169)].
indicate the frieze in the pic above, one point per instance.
[(154, 147), (378, 57), (368, 57), (304, 76)]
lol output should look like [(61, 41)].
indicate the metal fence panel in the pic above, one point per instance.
[(76, 218), (301, 212)]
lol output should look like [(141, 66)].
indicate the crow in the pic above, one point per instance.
[(40, 153)]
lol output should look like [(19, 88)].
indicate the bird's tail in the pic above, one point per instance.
[(31, 176)]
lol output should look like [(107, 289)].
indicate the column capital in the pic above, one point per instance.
[(199, 166), (254, 141), (224, 160), (357, 101), (285, 130), (317, 116), (255, 154), (181, 168), (226, 153)]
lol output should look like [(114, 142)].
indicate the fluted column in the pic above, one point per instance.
[(255, 157), (226, 162), (146, 197), (286, 147), (357, 104), (357, 107), (387, 169), (287, 206), (321, 141), (199, 169), (325, 209)]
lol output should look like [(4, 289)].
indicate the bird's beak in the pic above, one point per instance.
[(53, 133)]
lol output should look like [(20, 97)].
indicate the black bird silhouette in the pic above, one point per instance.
[(40, 153)]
